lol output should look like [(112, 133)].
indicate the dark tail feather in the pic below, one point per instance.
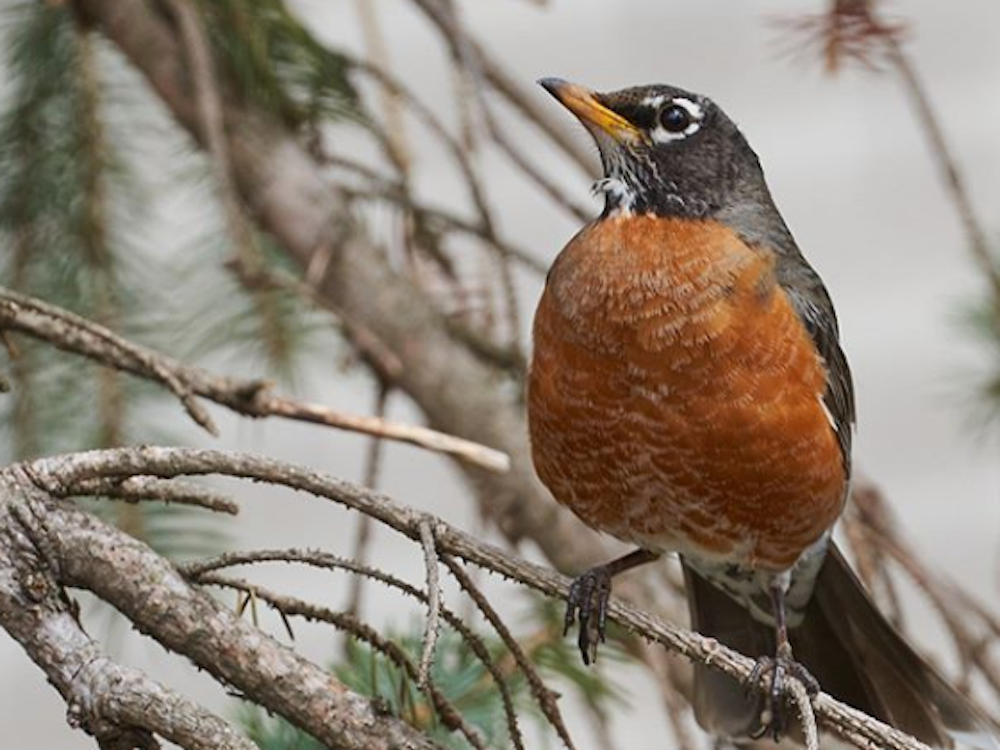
[(854, 652)]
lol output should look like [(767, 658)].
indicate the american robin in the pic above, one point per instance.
[(688, 393)]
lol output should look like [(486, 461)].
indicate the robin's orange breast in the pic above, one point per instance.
[(675, 399)]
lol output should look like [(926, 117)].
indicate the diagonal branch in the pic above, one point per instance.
[(505, 85), (289, 605), (545, 697), (252, 398), (69, 331), (139, 489), (196, 571), (947, 164), (118, 705), (83, 552), (285, 188)]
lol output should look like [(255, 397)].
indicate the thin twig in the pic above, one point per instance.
[(947, 164), (251, 398), (17, 309), (324, 560), (378, 49), (363, 533), (545, 698), (212, 121), (526, 165), (380, 187), (804, 704), (441, 219), (449, 714), (475, 112), (506, 85), (432, 628), (247, 263), (464, 156), (138, 488), (8, 344)]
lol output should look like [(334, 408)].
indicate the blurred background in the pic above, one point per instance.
[(110, 209)]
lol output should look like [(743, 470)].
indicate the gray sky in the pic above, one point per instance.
[(852, 176)]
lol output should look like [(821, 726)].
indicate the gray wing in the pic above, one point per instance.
[(756, 220), (812, 302)]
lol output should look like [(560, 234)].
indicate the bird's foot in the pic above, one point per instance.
[(588, 601), (770, 673)]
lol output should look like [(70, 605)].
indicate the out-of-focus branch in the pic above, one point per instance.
[(375, 42), (445, 220), (494, 73), (475, 118), (252, 398), (858, 30), (82, 545), (942, 154), (289, 195), (212, 123), (961, 614)]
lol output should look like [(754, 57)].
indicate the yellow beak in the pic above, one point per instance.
[(594, 115)]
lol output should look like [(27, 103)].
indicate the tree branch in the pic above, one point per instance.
[(115, 704), (139, 489), (287, 191), (433, 626), (196, 571), (85, 551), (290, 605), (252, 398)]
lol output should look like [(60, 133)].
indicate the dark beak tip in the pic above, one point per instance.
[(552, 85)]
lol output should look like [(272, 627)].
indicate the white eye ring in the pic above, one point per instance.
[(660, 134)]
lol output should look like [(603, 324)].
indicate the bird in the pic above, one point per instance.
[(688, 394)]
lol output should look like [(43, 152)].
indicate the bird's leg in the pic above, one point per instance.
[(781, 665), (588, 600)]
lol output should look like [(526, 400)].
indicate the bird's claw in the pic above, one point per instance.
[(588, 601), (771, 672)]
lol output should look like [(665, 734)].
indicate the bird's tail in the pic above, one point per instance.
[(853, 651)]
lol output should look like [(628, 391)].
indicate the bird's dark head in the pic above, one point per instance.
[(665, 150)]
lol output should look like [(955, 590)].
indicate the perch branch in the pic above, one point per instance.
[(55, 472)]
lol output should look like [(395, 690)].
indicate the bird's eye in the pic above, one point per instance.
[(675, 119)]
